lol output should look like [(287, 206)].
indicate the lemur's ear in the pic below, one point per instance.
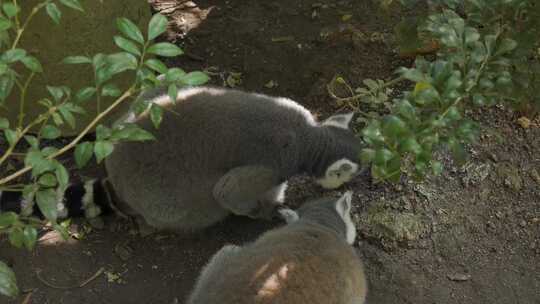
[(288, 215), (339, 120), (343, 204)]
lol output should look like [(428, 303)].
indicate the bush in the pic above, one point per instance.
[(42, 178), (487, 54)]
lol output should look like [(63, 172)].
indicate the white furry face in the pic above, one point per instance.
[(338, 173), (343, 208)]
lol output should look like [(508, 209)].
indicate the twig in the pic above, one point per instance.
[(75, 141), (42, 280), (26, 299), (97, 274), (85, 282)]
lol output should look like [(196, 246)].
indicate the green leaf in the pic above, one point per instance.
[(83, 153), (410, 145), (490, 42), (372, 132), (165, 49), (471, 35), (194, 78), (29, 237), (115, 64), (84, 94), (50, 132), (412, 74), (127, 45), (62, 229), (453, 113), (157, 26), (6, 85), (62, 175), (13, 55), (47, 180), (16, 237), (76, 60), (103, 132), (507, 45), (99, 60), (74, 4), (437, 167), (68, 117), (10, 9), (174, 75), (382, 156), (4, 123), (54, 12), (5, 24), (47, 200), (8, 282), (74, 108), (48, 151), (128, 28), (131, 132), (32, 64), (11, 136), (57, 119), (172, 92), (393, 126), (111, 90), (8, 218), (102, 149), (458, 152), (32, 141), (56, 92), (156, 115), (367, 155), (38, 162), (156, 65), (479, 99)]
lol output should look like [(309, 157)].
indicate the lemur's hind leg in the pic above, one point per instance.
[(249, 190)]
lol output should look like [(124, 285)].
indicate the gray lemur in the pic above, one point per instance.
[(221, 151), (217, 152), (308, 261)]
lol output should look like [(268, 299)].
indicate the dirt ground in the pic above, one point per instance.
[(471, 235)]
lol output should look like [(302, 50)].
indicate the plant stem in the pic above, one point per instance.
[(20, 30), (358, 96), (20, 135), (76, 140), (23, 97)]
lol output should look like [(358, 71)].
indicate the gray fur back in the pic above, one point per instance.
[(204, 134)]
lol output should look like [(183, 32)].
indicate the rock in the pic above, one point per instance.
[(459, 277), (123, 251), (535, 175), (511, 177), (524, 122), (393, 226), (475, 173), (425, 191)]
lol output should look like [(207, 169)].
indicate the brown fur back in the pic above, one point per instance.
[(301, 263)]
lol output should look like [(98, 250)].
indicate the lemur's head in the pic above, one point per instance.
[(341, 161)]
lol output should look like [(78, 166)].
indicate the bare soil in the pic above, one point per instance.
[(471, 235)]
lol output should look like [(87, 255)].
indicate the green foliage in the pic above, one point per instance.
[(43, 179), (488, 56)]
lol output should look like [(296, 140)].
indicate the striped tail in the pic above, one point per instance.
[(88, 199)]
